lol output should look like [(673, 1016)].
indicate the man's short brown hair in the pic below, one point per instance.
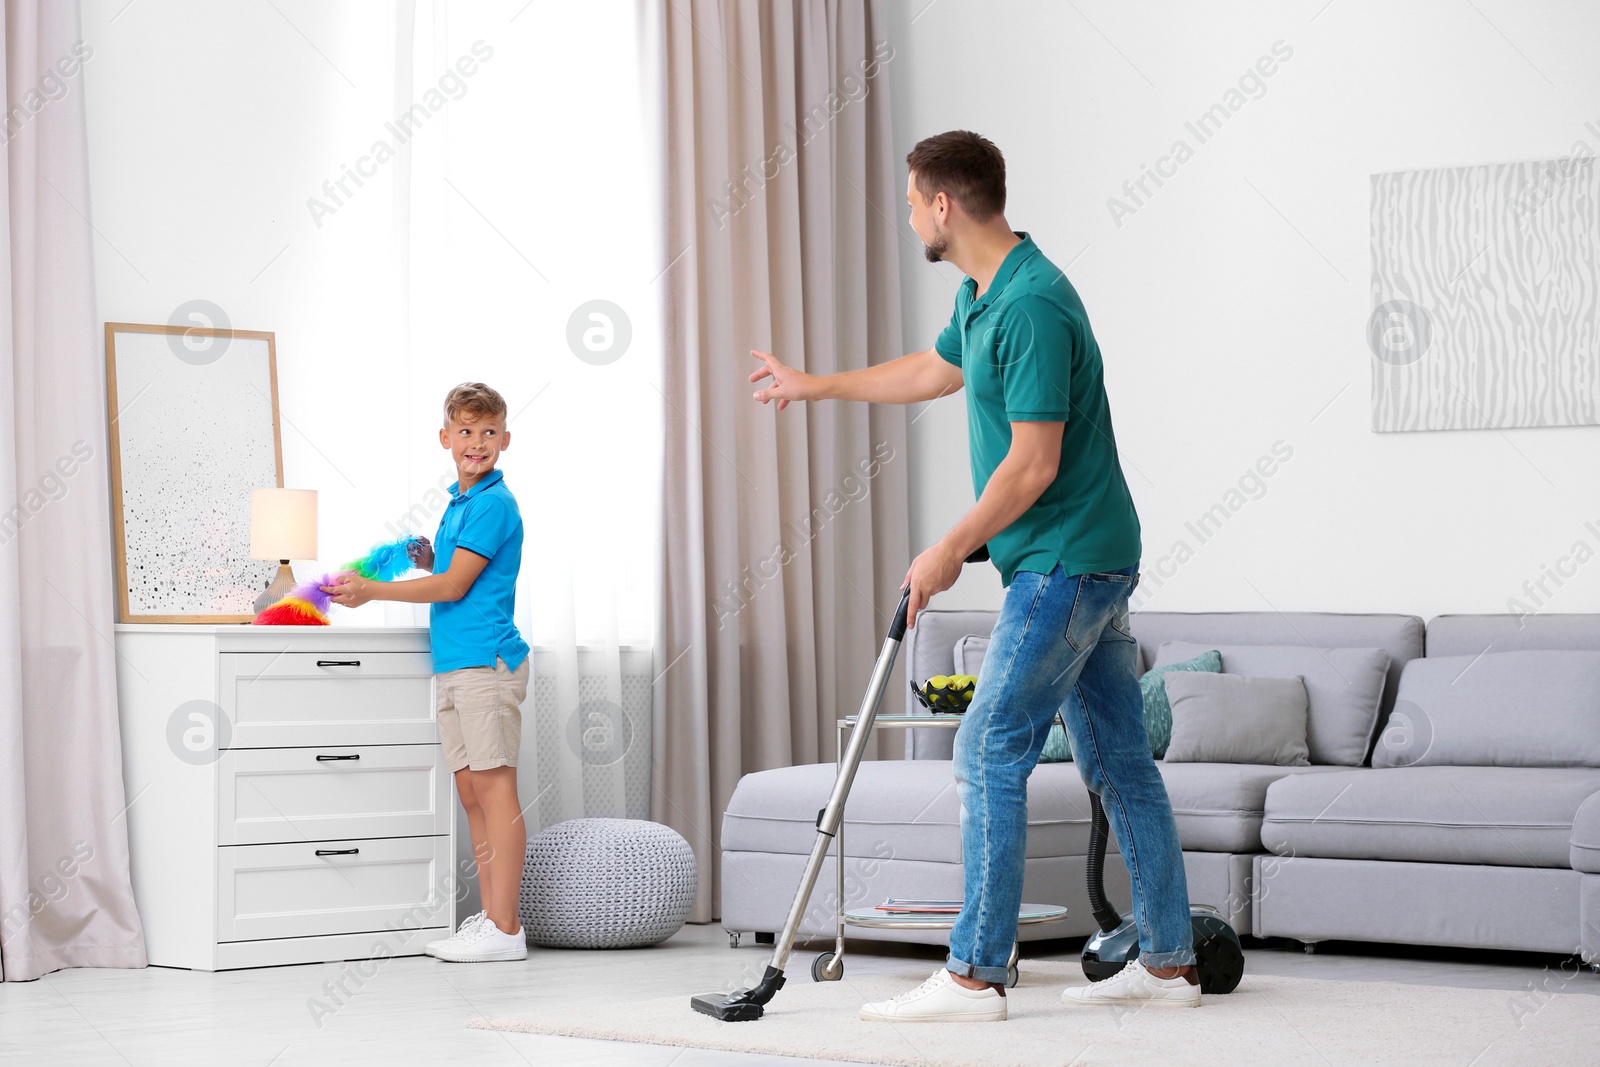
[(475, 399), (964, 166)]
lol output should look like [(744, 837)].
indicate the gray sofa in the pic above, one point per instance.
[(1432, 845), (1477, 823)]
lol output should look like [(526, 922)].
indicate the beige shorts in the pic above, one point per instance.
[(480, 715)]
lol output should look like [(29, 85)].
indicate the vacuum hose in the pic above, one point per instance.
[(1099, 831)]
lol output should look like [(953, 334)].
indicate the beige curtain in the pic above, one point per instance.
[(65, 898), (785, 533)]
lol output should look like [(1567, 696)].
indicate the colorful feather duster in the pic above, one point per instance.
[(307, 604)]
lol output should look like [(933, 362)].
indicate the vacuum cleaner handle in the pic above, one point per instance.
[(897, 629)]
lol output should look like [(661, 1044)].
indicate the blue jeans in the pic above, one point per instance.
[(1062, 642)]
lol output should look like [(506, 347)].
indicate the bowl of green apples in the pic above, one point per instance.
[(946, 694)]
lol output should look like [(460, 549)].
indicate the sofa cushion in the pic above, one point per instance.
[(969, 652), (1471, 635), (1399, 635), (900, 809), (1233, 718), (1585, 852), (1532, 708), (1344, 687), (971, 648), (1219, 806), (1497, 816)]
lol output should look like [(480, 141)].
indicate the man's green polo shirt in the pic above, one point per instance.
[(1027, 354)]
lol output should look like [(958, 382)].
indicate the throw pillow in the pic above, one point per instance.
[(1157, 709), (1056, 747), (1520, 708), (1157, 706), (1343, 686), (1232, 718)]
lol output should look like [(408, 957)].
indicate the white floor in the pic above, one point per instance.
[(412, 1010)]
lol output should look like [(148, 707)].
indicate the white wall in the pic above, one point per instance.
[(1231, 307)]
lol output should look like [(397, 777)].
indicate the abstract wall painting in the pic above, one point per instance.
[(1486, 296)]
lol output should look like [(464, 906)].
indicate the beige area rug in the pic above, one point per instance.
[(1266, 1020)]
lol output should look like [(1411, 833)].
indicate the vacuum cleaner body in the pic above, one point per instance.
[(1219, 957)]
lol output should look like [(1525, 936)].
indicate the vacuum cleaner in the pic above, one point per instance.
[(1219, 958), (745, 1005)]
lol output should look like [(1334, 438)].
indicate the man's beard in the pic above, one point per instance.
[(935, 252)]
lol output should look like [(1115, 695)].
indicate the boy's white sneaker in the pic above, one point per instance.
[(466, 924), (484, 943), (940, 999), (1134, 984)]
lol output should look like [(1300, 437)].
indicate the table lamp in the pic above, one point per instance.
[(283, 526)]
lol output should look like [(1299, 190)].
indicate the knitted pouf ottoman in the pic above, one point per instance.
[(606, 883)]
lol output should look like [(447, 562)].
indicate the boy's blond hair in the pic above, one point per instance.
[(475, 399)]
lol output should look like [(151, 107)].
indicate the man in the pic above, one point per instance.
[(1055, 512)]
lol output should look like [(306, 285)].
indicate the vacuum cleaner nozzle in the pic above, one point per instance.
[(742, 1005)]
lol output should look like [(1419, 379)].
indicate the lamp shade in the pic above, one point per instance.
[(283, 524)]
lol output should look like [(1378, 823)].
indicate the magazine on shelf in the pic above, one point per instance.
[(924, 907)]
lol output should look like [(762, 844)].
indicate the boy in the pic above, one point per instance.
[(480, 661)]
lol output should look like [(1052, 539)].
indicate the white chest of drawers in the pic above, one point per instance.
[(288, 801)]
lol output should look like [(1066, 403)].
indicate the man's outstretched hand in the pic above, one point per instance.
[(788, 384)]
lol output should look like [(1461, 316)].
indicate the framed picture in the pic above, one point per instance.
[(193, 419), (1484, 313)]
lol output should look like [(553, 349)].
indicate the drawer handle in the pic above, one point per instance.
[(338, 663), (325, 758), (337, 851)]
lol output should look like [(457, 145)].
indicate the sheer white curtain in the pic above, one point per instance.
[(527, 254)]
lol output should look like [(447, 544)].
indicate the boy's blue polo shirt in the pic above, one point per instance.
[(1027, 354), (472, 631)]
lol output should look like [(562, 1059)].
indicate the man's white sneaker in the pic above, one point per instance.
[(466, 924), (484, 943), (940, 999), (1134, 984)]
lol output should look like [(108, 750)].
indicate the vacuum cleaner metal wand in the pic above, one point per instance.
[(747, 1004), (828, 819)]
